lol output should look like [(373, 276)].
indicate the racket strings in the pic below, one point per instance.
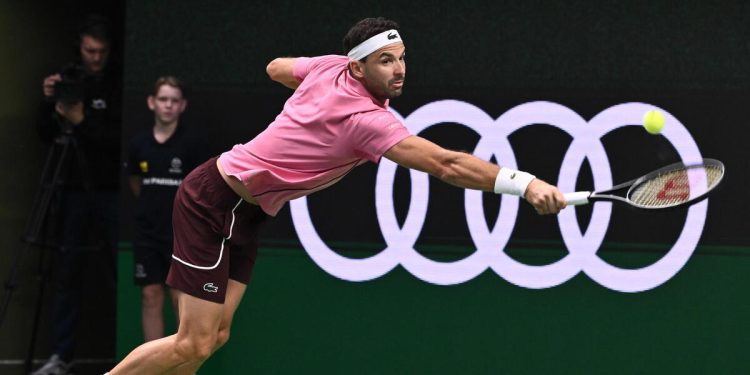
[(676, 187)]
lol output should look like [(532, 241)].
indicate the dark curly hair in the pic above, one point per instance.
[(365, 29)]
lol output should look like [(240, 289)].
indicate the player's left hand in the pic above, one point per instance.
[(545, 198)]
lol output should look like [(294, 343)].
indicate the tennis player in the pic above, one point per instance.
[(336, 119)]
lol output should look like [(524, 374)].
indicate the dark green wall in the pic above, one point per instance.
[(297, 319)]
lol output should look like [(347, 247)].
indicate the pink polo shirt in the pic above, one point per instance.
[(330, 125)]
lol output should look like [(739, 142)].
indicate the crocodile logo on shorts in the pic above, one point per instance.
[(210, 287), (140, 271)]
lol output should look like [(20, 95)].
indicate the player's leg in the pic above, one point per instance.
[(235, 291), (194, 342), (242, 253), (152, 316)]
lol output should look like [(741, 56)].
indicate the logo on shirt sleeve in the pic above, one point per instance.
[(144, 166)]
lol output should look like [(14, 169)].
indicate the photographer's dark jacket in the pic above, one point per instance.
[(97, 137)]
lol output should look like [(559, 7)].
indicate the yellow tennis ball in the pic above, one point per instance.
[(653, 121)]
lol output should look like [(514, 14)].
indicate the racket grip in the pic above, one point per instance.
[(578, 198)]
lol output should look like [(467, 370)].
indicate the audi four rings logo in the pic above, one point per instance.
[(582, 246)]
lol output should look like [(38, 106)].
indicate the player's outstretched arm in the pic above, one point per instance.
[(280, 70), (468, 171)]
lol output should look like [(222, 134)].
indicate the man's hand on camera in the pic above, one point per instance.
[(72, 112), (48, 85)]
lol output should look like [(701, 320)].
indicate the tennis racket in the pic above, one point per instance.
[(674, 185)]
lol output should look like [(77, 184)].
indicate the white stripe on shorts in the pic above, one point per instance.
[(221, 252)]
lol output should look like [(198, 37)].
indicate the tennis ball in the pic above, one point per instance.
[(653, 121)]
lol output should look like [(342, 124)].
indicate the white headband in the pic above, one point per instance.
[(373, 44)]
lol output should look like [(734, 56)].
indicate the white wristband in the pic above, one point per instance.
[(514, 182)]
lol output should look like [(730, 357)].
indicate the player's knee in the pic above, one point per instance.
[(222, 337), (196, 348)]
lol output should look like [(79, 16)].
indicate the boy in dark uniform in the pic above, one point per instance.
[(158, 159)]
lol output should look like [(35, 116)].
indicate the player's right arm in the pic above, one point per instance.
[(281, 70), (468, 171)]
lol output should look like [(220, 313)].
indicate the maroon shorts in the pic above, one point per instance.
[(215, 235)]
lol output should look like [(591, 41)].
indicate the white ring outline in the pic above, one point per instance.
[(494, 134)]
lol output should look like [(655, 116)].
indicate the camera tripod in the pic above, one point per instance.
[(45, 206)]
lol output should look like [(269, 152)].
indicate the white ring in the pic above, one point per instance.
[(490, 242)]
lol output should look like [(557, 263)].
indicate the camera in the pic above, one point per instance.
[(71, 88)]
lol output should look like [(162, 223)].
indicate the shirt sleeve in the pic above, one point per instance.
[(301, 68), (374, 134), (305, 65)]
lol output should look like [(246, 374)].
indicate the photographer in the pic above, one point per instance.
[(81, 109)]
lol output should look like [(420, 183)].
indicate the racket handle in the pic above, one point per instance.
[(578, 198)]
